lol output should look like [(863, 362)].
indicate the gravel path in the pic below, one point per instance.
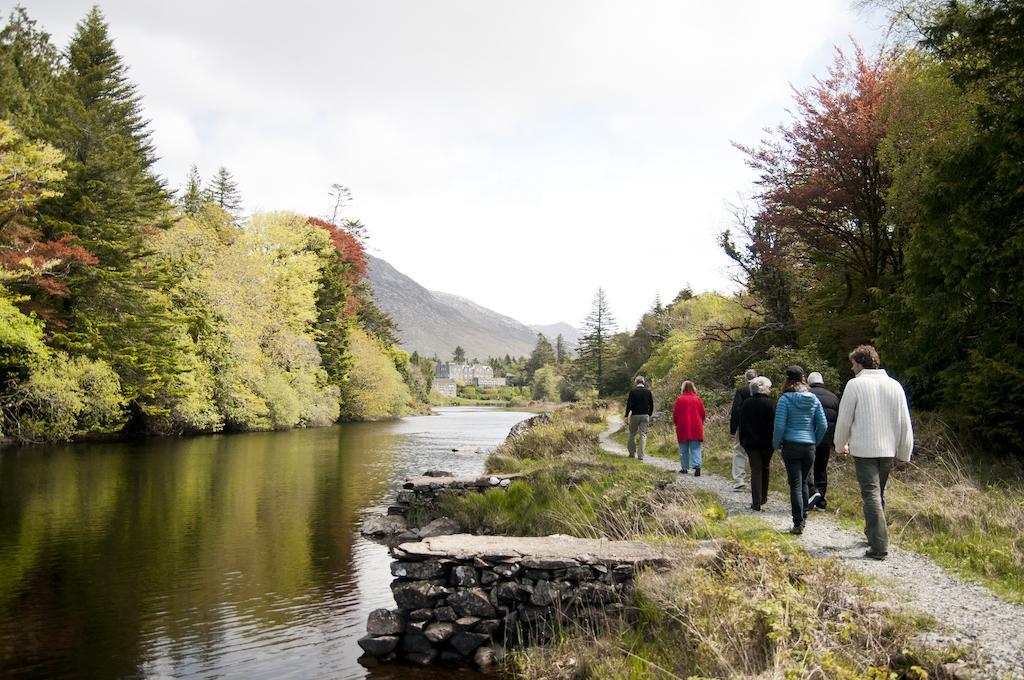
[(975, 617)]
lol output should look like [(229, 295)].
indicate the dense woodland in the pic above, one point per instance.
[(888, 209), (125, 306)]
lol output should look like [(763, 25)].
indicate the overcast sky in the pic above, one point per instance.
[(518, 153)]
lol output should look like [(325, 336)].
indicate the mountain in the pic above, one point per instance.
[(434, 323), (570, 334)]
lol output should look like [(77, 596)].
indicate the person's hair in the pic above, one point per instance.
[(640, 380), (760, 385), (866, 356), (795, 385), (688, 387), (750, 374)]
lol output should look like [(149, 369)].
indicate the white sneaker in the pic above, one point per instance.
[(812, 502)]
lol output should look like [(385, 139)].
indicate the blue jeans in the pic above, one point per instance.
[(689, 452)]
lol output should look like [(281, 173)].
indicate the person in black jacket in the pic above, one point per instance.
[(829, 402), (755, 429), (639, 409), (739, 456)]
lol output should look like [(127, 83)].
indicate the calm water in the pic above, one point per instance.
[(219, 556)]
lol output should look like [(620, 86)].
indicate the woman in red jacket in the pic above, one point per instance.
[(688, 415)]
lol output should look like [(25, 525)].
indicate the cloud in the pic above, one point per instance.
[(520, 154)]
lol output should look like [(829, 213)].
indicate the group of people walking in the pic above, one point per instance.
[(871, 423)]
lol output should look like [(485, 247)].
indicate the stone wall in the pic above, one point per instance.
[(465, 598)]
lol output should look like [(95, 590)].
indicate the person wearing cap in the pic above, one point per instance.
[(639, 409), (688, 415), (739, 455), (830, 403), (799, 427), (874, 427)]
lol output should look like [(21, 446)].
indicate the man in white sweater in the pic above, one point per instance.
[(874, 427)]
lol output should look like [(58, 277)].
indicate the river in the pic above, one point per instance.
[(216, 556)]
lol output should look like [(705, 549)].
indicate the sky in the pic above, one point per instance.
[(519, 153)]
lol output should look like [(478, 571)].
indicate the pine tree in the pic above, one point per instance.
[(561, 352), (223, 191), (542, 355), (29, 65), (459, 355), (193, 199), (595, 348)]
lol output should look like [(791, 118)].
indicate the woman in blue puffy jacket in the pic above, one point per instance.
[(799, 426)]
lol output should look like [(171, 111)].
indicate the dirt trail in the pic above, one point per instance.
[(974, 616)]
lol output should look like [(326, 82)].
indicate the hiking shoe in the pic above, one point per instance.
[(813, 501), (738, 487), (797, 529), (822, 504), (755, 508), (871, 554), (683, 472), (696, 471)]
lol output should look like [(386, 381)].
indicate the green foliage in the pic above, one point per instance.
[(65, 398), (596, 353), (377, 388), (774, 365), (546, 384), (21, 340)]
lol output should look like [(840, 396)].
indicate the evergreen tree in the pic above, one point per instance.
[(193, 199), (459, 355), (561, 352), (595, 347), (223, 191), (29, 65), (542, 355)]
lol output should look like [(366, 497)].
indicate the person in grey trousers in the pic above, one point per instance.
[(874, 427), (639, 409), (739, 455)]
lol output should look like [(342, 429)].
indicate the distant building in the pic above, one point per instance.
[(480, 375), (445, 386)]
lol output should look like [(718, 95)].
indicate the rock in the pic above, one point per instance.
[(547, 564), (408, 536), (484, 657), (418, 570), (506, 590), (522, 426), (383, 525), (405, 497), (397, 510), (422, 658), (439, 632), (493, 481), (487, 626), (421, 614), (416, 644), (442, 526), (467, 622), (578, 573), (531, 614), (380, 645), (445, 614), (471, 602), (450, 656), (439, 473), (385, 622), (505, 483), (507, 570), (416, 594), (538, 574), (464, 577), (465, 642), (488, 578), (415, 627), (545, 594)]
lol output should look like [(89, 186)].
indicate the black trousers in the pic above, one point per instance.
[(799, 459), (759, 466), (821, 455)]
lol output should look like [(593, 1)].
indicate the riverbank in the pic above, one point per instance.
[(762, 606)]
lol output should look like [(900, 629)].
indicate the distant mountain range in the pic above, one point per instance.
[(434, 323)]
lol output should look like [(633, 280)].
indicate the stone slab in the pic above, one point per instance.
[(557, 548), (423, 481)]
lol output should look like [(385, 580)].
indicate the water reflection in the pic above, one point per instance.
[(209, 556)]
